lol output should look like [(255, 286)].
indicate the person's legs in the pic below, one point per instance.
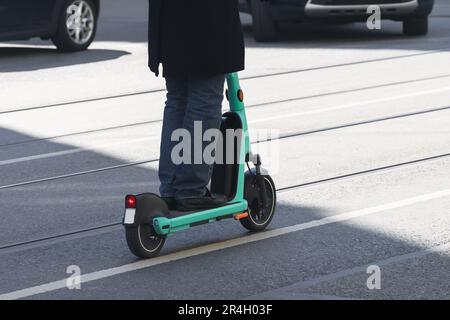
[(174, 113), (205, 96)]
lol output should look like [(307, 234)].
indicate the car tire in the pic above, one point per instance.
[(264, 26), (66, 38), (416, 26)]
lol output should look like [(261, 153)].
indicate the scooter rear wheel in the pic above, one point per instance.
[(142, 239), (259, 216)]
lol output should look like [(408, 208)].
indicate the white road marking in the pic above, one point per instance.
[(271, 118), (106, 273), (310, 185), (283, 292), (351, 105), (72, 151), (125, 165)]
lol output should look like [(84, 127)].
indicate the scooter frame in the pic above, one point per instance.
[(236, 207), (229, 179)]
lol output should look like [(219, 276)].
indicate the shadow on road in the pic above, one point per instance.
[(18, 59), (67, 204)]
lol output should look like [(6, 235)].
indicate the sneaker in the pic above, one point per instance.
[(170, 202), (208, 201)]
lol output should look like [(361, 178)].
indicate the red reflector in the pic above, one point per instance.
[(130, 202)]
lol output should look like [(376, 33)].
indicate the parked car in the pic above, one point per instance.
[(70, 24), (267, 14)]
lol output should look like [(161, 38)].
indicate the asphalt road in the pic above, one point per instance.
[(361, 165)]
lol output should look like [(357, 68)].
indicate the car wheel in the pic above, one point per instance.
[(264, 26), (77, 26), (415, 27)]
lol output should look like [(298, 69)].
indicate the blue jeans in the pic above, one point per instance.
[(188, 100)]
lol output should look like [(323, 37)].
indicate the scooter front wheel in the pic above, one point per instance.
[(259, 214), (143, 241)]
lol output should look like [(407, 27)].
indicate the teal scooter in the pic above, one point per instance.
[(251, 193)]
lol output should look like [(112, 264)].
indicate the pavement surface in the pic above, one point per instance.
[(362, 166)]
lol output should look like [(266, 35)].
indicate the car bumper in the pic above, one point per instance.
[(305, 10), (330, 11)]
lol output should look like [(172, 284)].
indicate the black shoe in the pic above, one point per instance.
[(201, 203), (170, 202)]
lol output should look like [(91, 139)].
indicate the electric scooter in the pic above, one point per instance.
[(251, 193)]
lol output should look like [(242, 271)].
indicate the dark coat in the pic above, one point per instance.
[(197, 38)]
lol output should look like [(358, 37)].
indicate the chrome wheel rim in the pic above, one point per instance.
[(80, 22), (148, 240)]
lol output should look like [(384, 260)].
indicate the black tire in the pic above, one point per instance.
[(142, 239), (415, 26), (63, 40), (265, 28), (258, 218)]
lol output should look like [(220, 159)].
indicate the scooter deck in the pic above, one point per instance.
[(177, 214), (184, 220)]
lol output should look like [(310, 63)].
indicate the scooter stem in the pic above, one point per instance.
[(234, 92)]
